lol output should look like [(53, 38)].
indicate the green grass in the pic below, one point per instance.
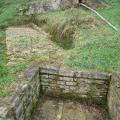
[(102, 44), (3, 56), (112, 13), (61, 25), (8, 14), (96, 45), (8, 81), (101, 54), (8, 10)]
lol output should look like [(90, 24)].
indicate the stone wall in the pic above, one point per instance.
[(91, 86), (26, 97), (56, 82), (114, 97)]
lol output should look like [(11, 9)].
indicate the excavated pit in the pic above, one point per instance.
[(50, 108)]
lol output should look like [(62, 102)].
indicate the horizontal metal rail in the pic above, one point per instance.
[(111, 25)]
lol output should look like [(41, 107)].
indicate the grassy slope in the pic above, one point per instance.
[(8, 9), (112, 13), (97, 46), (103, 53)]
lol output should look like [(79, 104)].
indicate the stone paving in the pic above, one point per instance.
[(54, 109)]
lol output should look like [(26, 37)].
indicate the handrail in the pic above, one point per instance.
[(111, 25)]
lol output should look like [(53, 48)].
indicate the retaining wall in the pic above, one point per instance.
[(26, 98), (114, 97), (91, 86), (57, 82)]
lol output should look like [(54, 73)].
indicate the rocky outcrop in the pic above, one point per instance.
[(50, 5), (94, 1)]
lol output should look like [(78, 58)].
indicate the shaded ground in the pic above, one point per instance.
[(54, 109)]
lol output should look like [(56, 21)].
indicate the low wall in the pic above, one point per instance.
[(56, 82), (114, 97), (91, 86), (26, 97)]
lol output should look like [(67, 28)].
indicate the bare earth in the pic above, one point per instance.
[(54, 109)]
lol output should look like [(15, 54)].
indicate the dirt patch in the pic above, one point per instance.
[(56, 109)]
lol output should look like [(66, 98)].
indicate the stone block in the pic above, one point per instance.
[(71, 83), (68, 79), (53, 77), (46, 80), (52, 85), (49, 69), (15, 103), (30, 73), (61, 82), (93, 75), (45, 83), (19, 111), (62, 86), (45, 76), (66, 72), (72, 88)]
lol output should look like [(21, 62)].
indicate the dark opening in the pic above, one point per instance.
[(80, 1)]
